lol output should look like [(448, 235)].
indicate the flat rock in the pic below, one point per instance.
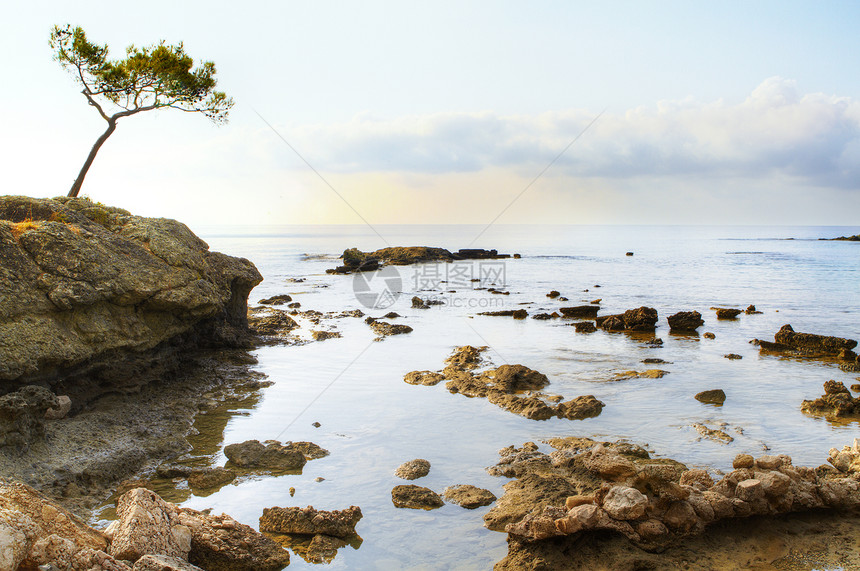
[(713, 396), (468, 496), (337, 523), (415, 497)]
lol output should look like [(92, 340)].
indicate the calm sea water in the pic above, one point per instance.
[(372, 421)]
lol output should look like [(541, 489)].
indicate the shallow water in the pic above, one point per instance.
[(372, 421)]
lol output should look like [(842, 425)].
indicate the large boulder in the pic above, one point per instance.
[(146, 524), (685, 321), (89, 289), (639, 319)]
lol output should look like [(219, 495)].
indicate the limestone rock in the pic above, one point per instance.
[(83, 285), (22, 416), (254, 454), (206, 478), (727, 313), (713, 396), (625, 503), (309, 521), (426, 378), (580, 311), (148, 524), (584, 327), (413, 469), (220, 543), (468, 496), (581, 407), (639, 319), (384, 329), (415, 497)]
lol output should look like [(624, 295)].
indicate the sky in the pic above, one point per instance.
[(448, 112)]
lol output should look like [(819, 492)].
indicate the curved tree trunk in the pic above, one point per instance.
[(76, 187)]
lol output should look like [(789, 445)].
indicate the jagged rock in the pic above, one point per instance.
[(220, 543), (468, 496), (685, 321), (63, 408), (713, 434), (732, 356), (254, 454), (413, 469), (97, 560), (580, 311), (836, 401), (584, 327), (276, 300), (515, 378), (87, 290), (530, 407), (337, 523), (17, 534), (415, 497), (22, 416), (147, 524), (625, 503), (727, 313), (751, 310), (639, 319), (713, 396), (323, 335), (810, 342)]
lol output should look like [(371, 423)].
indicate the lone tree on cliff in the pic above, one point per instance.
[(148, 78)]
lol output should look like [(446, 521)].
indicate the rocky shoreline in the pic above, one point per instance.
[(117, 331)]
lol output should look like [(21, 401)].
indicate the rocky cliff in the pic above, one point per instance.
[(94, 299)]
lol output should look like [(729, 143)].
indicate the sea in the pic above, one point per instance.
[(371, 421)]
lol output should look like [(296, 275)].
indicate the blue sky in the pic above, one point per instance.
[(442, 112)]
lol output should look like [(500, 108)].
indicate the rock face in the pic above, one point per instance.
[(308, 521), (685, 321), (639, 319), (89, 291), (656, 504), (22, 416), (727, 312)]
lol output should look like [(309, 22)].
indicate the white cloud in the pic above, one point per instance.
[(776, 132)]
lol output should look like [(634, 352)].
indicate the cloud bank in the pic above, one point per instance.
[(776, 133)]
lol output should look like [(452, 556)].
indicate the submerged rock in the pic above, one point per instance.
[(276, 300), (384, 329), (206, 478), (272, 454), (426, 378), (585, 327), (580, 311), (727, 313), (515, 313)]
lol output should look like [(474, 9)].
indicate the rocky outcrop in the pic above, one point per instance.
[(585, 327), (91, 297), (836, 402), (854, 238), (515, 388), (727, 312), (354, 260), (253, 454), (639, 319), (685, 321), (656, 505), (384, 329)]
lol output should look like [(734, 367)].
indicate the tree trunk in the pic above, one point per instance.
[(76, 187)]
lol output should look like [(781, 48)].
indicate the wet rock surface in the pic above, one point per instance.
[(354, 260), (787, 340), (384, 329), (580, 311), (616, 487), (727, 312), (713, 396), (515, 388), (272, 454)]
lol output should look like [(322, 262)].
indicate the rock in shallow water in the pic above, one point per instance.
[(468, 496), (413, 469), (415, 497), (309, 521)]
